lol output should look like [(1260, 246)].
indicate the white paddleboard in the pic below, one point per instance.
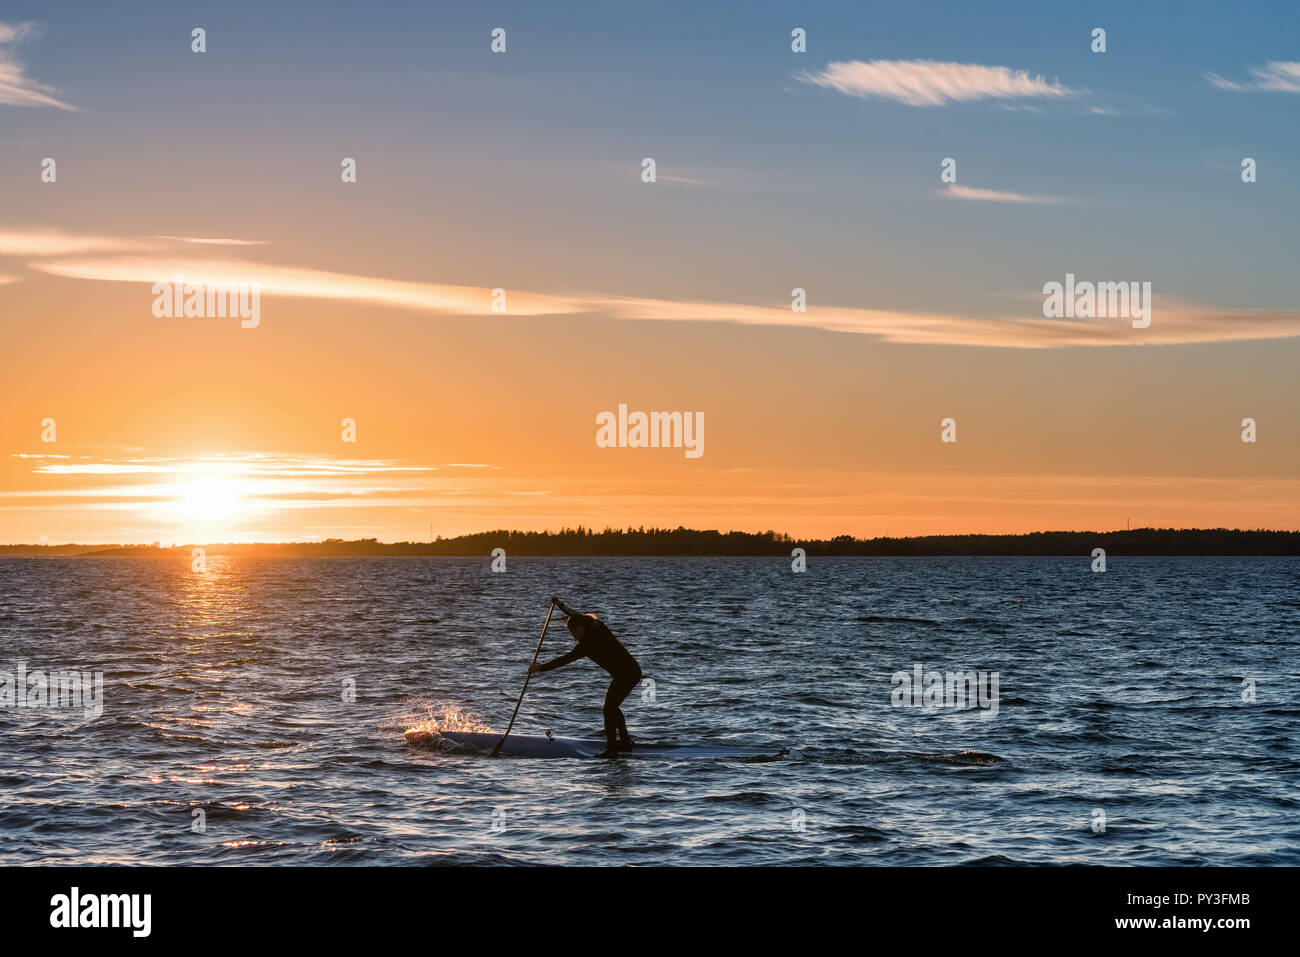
[(547, 746)]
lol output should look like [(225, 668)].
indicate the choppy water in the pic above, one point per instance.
[(1118, 692)]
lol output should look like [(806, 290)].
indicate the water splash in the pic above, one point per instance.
[(439, 717)]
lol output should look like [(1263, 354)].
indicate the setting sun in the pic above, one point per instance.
[(209, 499)]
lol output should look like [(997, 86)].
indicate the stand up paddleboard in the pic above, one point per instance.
[(548, 746)]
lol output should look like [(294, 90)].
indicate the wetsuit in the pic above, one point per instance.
[(599, 644)]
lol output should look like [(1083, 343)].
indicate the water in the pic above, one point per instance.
[(1118, 692)]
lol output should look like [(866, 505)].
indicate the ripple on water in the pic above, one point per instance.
[(225, 695)]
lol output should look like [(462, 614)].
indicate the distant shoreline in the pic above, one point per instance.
[(684, 542)]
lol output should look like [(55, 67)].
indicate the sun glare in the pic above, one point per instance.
[(209, 499)]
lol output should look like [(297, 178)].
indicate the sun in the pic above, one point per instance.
[(209, 499)]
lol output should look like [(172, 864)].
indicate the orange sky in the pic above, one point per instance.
[(523, 172), (478, 422)]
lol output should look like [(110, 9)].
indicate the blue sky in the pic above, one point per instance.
[(776, 170), (841, 188)]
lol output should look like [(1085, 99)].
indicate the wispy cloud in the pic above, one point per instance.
[(16, 87), (260, 482), (996, 195), (931, 83), (673, 173), (240, 463), (199, 241), (1279, 76), (307, 283), (51, 242), (684, 180), (1175, 322)]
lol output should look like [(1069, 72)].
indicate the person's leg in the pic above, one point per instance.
[(612, 714), (624, 686)]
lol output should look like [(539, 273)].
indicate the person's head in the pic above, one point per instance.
[(579, 625)]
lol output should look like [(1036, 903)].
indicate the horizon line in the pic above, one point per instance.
[(653, 531)]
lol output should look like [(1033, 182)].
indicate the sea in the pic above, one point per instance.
[(903, 711)]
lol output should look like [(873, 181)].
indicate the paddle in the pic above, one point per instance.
[(496, 752)]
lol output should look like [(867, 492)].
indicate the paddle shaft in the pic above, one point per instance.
[(497, 750)]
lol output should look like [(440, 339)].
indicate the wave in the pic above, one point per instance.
[(851, 757)]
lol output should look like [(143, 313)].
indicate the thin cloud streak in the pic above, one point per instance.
[(51, 242), (1278, 76), (996, 195), (309, 283), (319, 467), (16, 87), (1174, 322), (199, 241), (931, 83), (683, 180)]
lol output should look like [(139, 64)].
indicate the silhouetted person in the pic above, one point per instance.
[(598, 643)]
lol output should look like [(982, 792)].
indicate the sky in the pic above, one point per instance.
[(523, 171)]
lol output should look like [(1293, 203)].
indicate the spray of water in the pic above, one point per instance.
[(438, 717)]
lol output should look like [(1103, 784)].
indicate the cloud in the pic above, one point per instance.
[(16, 87), (996, 195), (684, 180), (1279, 76), (931, 83), (308, 283), (239, 463), (1174, 322), (51, 242), (214, 242)]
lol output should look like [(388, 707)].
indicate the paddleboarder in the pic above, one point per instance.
[(597, 642)]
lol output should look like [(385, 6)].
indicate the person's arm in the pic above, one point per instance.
[(560, 662), (565, 608)]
